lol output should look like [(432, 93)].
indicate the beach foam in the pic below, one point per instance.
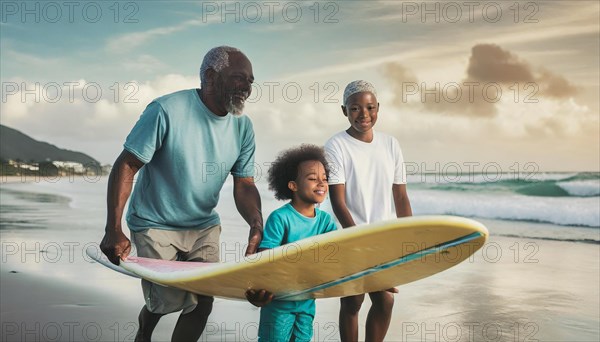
[(567, 211)]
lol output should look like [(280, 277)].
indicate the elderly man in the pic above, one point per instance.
[(183, 146)]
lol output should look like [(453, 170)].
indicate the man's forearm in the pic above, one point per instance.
[(120, 183), (248, 204), (115, 245)]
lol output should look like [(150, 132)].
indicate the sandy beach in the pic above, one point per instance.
[(516, 288), (547, 293)]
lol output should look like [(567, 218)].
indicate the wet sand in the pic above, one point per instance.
[(547, 291)]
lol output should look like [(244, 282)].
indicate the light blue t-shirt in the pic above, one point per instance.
[(188, 153), (279, 319), (286, 225)]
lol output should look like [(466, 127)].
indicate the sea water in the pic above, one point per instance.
[(570, 201), (553, 206)]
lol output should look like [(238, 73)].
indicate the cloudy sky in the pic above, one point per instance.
[(478, 85)]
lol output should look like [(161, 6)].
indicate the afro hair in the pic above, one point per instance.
[(285, 168)]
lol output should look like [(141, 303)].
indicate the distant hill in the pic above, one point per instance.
[(16, 145)]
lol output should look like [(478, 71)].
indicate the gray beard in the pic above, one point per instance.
[(235, 109)]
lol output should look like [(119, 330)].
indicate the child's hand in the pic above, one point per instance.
[(259, 298), (392, 290)]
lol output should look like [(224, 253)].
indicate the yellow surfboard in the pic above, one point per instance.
[(345, 262)]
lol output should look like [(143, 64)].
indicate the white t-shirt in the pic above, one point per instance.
[(368, 170)]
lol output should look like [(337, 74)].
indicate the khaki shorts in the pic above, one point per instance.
[(184, 245)]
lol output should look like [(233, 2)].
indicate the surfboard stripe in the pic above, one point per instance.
[(381, 267)]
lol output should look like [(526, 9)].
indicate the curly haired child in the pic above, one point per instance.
[(299, 175)]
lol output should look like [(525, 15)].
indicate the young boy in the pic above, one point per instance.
[(368, 184), (300, 175)]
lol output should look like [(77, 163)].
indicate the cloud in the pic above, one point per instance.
[(145, 63), (129, 41), (75, 119), (466, 98), (492, 75), (29, 59), (553, 85), (400, 77), (490, 63)]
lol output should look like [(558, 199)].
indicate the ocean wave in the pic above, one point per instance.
[(547, 185), (565, 211), (491, 177), (543, 189), (552, 176), (583, 188)]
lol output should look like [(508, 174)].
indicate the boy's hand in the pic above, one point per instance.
[(259, 298), (392, 290)]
